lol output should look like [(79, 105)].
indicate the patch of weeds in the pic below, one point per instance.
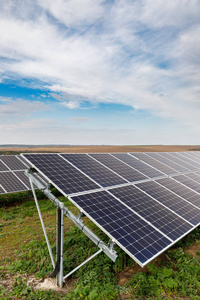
[(180, 276)]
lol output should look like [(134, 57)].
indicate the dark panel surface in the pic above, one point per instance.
[(173, 202), (194, 185), (61, 173), (152, 211), (154, 163), (13, 162), (188, 159), (93, 169), (3, 167), (11, 183), (1, 190), (181, 190), (138, 238), (23, 178), (119, 167), (138, 165), (165, 160), (173, 157), (194, 176)]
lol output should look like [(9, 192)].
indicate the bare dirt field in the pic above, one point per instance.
[(101, 149)]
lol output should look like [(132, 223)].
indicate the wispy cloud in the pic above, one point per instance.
[(144, 54), (9, 106)]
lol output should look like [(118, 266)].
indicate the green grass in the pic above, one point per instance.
[(23, 251)]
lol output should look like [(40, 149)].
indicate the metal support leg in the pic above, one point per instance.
[(42, 223), (83, 263), (60, 240)]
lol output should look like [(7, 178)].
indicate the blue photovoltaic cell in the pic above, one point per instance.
[(152, 211), (119, 167), (61, 173), (173, 202), (3, 167), (163, 159), (154, 163), (194, 185), (181, 190), (95, 170), (11, 183), (138, 165), (136, 236), (13, 162), (178, 160)]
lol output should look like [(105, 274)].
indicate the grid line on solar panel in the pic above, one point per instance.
[(11, 183), (176, 159), (129, 165), (190, 183), (138, 165), (194, 177), (94, 169), (168, 162), (61, 173), (13, 163), (118, 167), (23, 178), (2, 191), (187, 159), (139, 239), (154, 163), (176, 204), (152, 211), (194, 156), (181, 190), (3, 167)]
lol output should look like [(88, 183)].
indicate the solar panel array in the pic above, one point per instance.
[(12, 177), (145, 202)]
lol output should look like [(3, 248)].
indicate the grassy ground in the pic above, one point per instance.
[(24, 256)]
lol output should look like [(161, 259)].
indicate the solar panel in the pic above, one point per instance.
[(181, 190), (154, 163), (11, 183), (3, 167), (133, 234), (172, 201), (94, 169), (194, 185), (61, 173), (119, 167), (186, 158), (165, 160), (13, 162), (2, 190), (138, 165), (152, 211), (194, 176), (177, 160), (143, 218)]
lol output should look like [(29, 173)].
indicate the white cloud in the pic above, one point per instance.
[(144, 54), (9, 106)]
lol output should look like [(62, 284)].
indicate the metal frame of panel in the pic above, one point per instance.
[(58, 267)]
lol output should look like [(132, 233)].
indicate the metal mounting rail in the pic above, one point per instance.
[(61, 211)]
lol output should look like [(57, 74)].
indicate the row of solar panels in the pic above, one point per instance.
[(84, 172), (144, 201), (12, 177)]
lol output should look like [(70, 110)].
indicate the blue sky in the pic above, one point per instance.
[(99, 72)]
